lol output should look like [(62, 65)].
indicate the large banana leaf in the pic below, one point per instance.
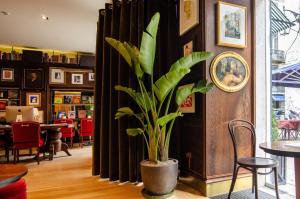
[(148, 45), (191, 60), (134, 54), (134, 131), (137, 97), (162, 121), (123, 111), (166, 83), (119, 46), (201, 87)]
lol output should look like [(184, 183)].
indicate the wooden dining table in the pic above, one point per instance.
[(10, 173), (53, 135), (286, 149)]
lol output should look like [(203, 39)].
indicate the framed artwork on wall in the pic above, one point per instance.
[(7, 74), (188, 48), (229, 71), (77, 78), (91, 76), (188, 15), (33, 99), (188, 106), (33, 78), (232, 25), (56, 76), (12, 94)]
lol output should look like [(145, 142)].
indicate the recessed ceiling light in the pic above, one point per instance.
[(4, 13), (44, 17)]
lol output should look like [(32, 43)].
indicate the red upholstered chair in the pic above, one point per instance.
[(66, 132), (86, 128), (26, 135), (16, 190)]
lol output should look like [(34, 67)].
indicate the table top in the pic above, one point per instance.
[(282, 148), (43, 126), (10, 173)]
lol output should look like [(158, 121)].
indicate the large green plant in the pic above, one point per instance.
[(155, 118)]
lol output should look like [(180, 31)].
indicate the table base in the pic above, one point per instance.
[(297, 177)]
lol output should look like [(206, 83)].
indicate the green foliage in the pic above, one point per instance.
[(275, 131), (155, 125)]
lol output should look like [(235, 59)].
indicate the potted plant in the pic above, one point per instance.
[(156, 115)]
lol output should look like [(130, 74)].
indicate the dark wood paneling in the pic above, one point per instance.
[(222, 107)]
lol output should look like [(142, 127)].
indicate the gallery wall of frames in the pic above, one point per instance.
[(34, 84)]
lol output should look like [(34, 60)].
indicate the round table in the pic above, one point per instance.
[(10, 173), (287, 149)]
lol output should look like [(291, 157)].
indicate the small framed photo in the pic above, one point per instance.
[(13, 94), (91, 77), (7, 74), (57, 76), (33, 99), (71, 114), (232, 25), (188, 106), (188, 48), (188, 15), (229, 71), (77, 78), (33, 79)]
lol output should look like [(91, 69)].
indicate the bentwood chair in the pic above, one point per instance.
[(16, 190), (26, 135), (66, 132), (86, 128), (242, 133)]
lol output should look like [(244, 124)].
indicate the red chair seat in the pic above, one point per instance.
[(16, 190), (26, 145)]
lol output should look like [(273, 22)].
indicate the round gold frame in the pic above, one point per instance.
[(216, 80)]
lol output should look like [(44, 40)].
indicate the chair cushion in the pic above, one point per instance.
[(257, 162), (16, 190)]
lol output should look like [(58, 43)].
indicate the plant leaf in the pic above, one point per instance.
[(148, 45), (164, 84), (119, 46), (162, 121), (123, 111), (134, 131), (134, 54), (191, 60), (201, 87)]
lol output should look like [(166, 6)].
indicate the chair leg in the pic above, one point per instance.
[(18, 154), (234, 176), (81, 141), (15, 155), (38, 156), (7, 154), (71, 138), (255, 180), (276, 183)]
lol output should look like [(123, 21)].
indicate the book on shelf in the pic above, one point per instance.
[(76, 100), (58, 100), (71, 114), (67, 99)]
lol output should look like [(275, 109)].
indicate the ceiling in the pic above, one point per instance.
[(71, 24)]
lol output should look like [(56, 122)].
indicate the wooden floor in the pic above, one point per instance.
[(70, 177)]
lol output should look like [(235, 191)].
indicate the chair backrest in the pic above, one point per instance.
[(65, 130), (26, 132), (243, 138), (15, 190), (87, 126)]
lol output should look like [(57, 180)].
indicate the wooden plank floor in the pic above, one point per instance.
[(70, 177)]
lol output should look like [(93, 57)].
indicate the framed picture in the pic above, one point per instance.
[(91, 76), (188, 106), (56, 76), (188, 15), (232, 25), (71, 114), (33, 99), (77, 78), (13, 94), (7, 74), (188, 48), (33, 79), (229, 71)]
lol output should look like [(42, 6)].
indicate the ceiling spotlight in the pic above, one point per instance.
[(44, 17), (4, 13)]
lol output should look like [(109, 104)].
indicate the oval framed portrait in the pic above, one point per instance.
[(229, 71)]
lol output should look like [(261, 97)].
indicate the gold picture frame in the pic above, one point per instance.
[(33, 99), (57, 76), (229, 71), (231, 25)]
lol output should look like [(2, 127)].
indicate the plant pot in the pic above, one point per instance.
[(160, 178)]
